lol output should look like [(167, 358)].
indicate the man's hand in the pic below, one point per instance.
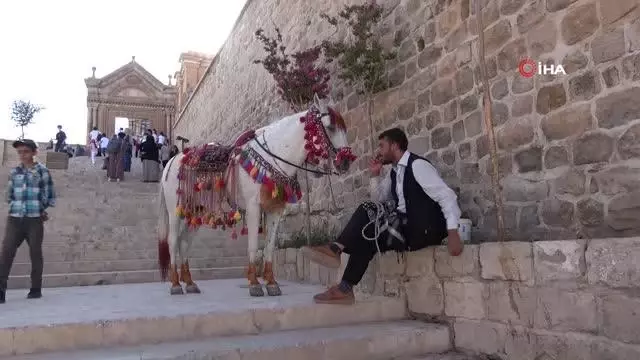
[(375, 167), (454, 243), (45, 216)]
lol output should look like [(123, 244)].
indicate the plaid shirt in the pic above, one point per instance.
[(30, 191)]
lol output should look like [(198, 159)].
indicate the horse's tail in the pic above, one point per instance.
[(164, 257)]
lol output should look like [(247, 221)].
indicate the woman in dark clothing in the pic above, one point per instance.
[(150, 160)]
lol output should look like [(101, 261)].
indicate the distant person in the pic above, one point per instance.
[(104, 142), (165, 154), (116, 149), (150, 160), (161, 139), (30, 192), (61, 137)]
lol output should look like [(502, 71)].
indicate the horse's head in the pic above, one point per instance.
[(334, 129)]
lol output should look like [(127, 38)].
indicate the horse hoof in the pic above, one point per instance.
[(256, 290), (192, 289), (176, 290), (274, 290)]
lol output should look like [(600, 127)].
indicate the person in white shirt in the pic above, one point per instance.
[(104, 142), (93, 143), (412, 206), (161, 139)]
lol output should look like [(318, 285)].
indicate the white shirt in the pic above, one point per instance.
[(93, 135), (104, 142), (160, 139), (430, 181)]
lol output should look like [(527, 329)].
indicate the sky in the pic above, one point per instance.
[(48, 48)]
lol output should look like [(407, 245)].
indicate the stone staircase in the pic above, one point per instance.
[(105, 233), (142, 321)]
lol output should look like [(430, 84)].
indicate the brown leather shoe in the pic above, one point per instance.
[(334, 296), (322, 255)]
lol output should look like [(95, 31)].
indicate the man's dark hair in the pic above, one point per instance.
[(397, 136)]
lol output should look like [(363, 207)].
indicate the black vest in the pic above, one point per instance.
[(426, 224)]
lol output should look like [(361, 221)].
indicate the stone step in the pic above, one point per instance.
[(365, 341), (78, 318), (111, 255), (446, 356), (120, 277), (62, 267)]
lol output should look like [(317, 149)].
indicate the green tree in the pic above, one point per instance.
[(362, 59), (22, 113)]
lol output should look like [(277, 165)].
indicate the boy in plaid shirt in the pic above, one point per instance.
[(29, 193)]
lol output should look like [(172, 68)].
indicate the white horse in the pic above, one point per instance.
[(286, 145)]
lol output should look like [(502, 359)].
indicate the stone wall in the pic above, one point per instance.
[(571, 299), (568, 144)]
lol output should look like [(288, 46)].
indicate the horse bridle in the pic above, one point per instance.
[(326, 138)]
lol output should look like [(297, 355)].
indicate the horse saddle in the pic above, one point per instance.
[(215, 157)]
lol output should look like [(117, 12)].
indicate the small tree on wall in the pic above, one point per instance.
[(22, 113), (297, 81), (362, 60)]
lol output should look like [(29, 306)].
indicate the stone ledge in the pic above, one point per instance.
[(516, 342), (121, 315)]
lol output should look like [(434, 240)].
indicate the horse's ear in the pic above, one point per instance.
[(316, 99)]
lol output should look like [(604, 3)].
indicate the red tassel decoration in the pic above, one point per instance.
[(234, 234), (244, 231)]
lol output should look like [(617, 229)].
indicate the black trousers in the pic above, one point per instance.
[(18, 230), (360, 250)]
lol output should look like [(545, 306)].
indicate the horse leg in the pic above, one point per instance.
[(185, 273), (175, 237), (253, 220), (273, 289)]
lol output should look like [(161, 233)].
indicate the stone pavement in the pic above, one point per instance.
[(130, 320), (105, 232)]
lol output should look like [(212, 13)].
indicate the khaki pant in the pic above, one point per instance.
[(18, 230)]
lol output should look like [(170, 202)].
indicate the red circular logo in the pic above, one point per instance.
[(527, 68)]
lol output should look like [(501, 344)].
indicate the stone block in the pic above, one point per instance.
[(425, 295), (465, 299), (529, 159), (575, 61), (483, 337), (563, 310), (556, 156), (557, 212), (567, 122), (608, 46), (550, 97), (619, 11), (391, 264), (614, 262), (511, 303), (628, 143), (515, 134), (447, 266), (568, 345), (559, 260), (579, 23), (291, 256), (584, 86), (620, 319), (506, 261), (420, 263), (618, 108), (497, 35), (592, 147), (300, 265)]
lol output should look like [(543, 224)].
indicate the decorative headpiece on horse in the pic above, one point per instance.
[(318, 144)]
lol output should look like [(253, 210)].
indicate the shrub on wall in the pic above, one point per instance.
[(362, 59)]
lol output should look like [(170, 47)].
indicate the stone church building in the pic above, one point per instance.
[(134, 93)]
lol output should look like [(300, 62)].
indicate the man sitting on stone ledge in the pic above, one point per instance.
[(412, 208)]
